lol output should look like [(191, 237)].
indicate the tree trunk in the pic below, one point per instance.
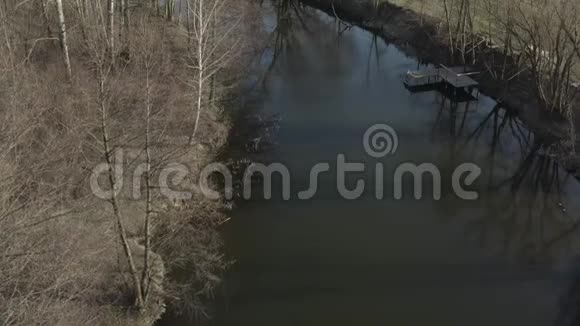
[(82, 9), (124, 33), (145, 277), (188, 23), (122, 12), (63, 38), (450, 34), (199, 102), (113, 200), (111, 30), (200, 35)]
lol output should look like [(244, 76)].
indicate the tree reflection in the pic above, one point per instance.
[(373, 51), (287, 13), (500, 120), (524, 213), (451, 115), (522, 209)]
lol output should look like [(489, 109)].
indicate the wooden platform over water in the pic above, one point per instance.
[(455, 77)]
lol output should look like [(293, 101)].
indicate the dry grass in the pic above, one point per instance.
[(60, 258)]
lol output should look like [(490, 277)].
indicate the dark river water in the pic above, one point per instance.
[(506, 258)]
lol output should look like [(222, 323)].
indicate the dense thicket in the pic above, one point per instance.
[(134, 85)]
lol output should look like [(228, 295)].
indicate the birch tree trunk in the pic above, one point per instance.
[(111, 29), (113, 183), (145, 277), (122, 12), (207, 53), (63, 38), (199, 31)]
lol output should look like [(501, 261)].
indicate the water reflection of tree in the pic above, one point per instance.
[(375, 52), (293, 19), (288, 15), (521, 211), (524, 212), (450, 123), (499, 121), (451, 114)]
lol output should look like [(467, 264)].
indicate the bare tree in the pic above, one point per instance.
[(169, 9), (208, 54), (548, 51), (149, 62), (102, 75), (125, 24), (447, 10), (111, 29), (63, 38)]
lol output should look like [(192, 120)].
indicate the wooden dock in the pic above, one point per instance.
[(455, 78)]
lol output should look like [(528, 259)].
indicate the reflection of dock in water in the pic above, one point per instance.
[(454, 82)]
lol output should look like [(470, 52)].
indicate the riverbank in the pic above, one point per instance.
[(191, 241), (420, 36)]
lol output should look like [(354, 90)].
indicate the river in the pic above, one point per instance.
[(503, 259)]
